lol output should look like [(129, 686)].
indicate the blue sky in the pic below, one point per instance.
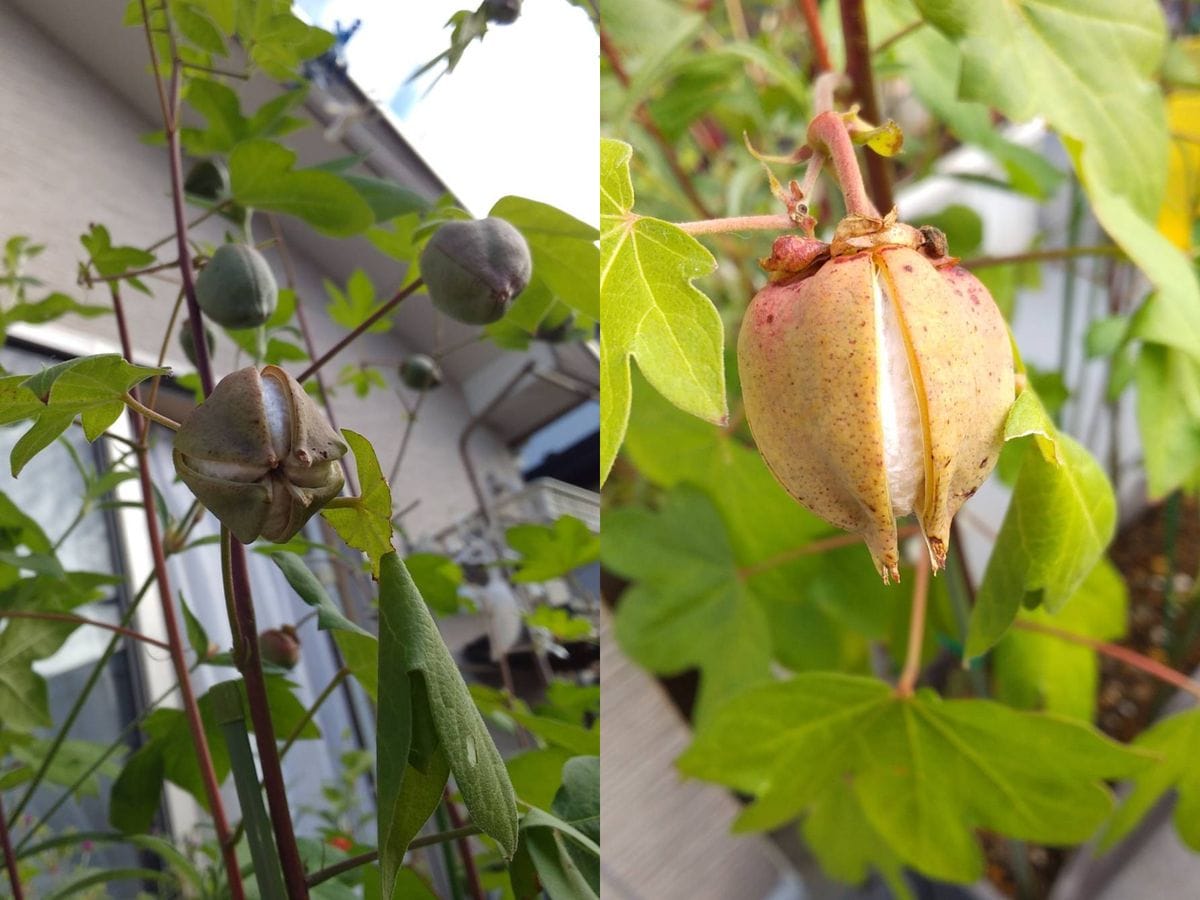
[(520, 113)]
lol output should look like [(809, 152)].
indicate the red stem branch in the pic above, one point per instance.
[(1117, 652), (81, 620), (862, 80), (10, 858), (363, 326), (827, 135), (250, 665), (812, 18), (208, 775), (464, 850)]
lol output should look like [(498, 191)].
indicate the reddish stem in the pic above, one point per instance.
[(363, 326), (647, 122), (464, 850), (81, 620), (862, 80), (250, 665), (812, 18), (10, 858), (208, 775), (827, 134), (1117, 652)]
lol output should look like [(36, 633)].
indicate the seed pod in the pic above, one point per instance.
[(260, 455), (237, 288), (188, 343), (876, 383), (502, 12), (208, 179), (474, 270), (557, 333), (280, 646), (421, 372)]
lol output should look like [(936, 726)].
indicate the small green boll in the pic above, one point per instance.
[(189, 345), (421, 372), (237, 288), (474, 270), (208, 179)]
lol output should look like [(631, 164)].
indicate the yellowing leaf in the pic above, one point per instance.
[(1182, 199), (652, 311)]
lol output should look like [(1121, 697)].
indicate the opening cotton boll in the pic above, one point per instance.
[(279, 425), (903, 447)]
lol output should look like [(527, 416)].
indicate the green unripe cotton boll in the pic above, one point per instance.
[(189, 345), (502, 12), (209, 179), (420, 372), (237, 288), (557, 333), (474, 270)]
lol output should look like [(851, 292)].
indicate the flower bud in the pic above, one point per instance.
[(280, 646), (260, 455), (876, 382)]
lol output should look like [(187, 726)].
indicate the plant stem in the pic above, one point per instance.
[(337, 679), (889, 42), (812, 547), (10, 859), (464, 849), (778, 222), (362, 859), (208, 773), (1117, 652), (408, 430), (647, 122), (1056, 253), (250, 665), (133, 403), (81, 620), (858, 67), (916, 629), (812, 19), (337, 348), (828, 135), (131, 274)]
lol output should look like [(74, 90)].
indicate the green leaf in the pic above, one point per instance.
[(1041, 671), (689, 607), (551, 551), (312, 592), (560, 623), (352, 307), (23, 694), (578, 802), (367, 525), (135, 796), (564, 251), (197, 636), (1059, 521), (556, 869), (652, 312), (1168, 414), (419, 680), (109, 260), (361, 653), (926, 772), (262, 177), (1088, 68), (52, 307), (437, 578), (1176, 739), (537, 774), (386, 198)]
